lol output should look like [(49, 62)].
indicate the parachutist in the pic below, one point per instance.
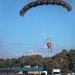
[(49, 44)]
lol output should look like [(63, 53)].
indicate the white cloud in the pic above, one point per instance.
[(41, 48), (33, 52), (17, 54)]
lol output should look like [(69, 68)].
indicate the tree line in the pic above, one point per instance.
[(64, 60)]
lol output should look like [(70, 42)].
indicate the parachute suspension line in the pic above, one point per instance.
[(32, 24), (49, 29), (39, 26), (44, 2), (51, 34)]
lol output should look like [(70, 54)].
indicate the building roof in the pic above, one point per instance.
[(8, 68), (30, 69), (23, 69)]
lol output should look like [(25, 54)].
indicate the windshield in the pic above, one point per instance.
[(56, 72)]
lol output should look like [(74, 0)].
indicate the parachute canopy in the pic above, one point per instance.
[(46, 2)]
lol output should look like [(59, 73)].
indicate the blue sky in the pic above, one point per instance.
[(27, 35)]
